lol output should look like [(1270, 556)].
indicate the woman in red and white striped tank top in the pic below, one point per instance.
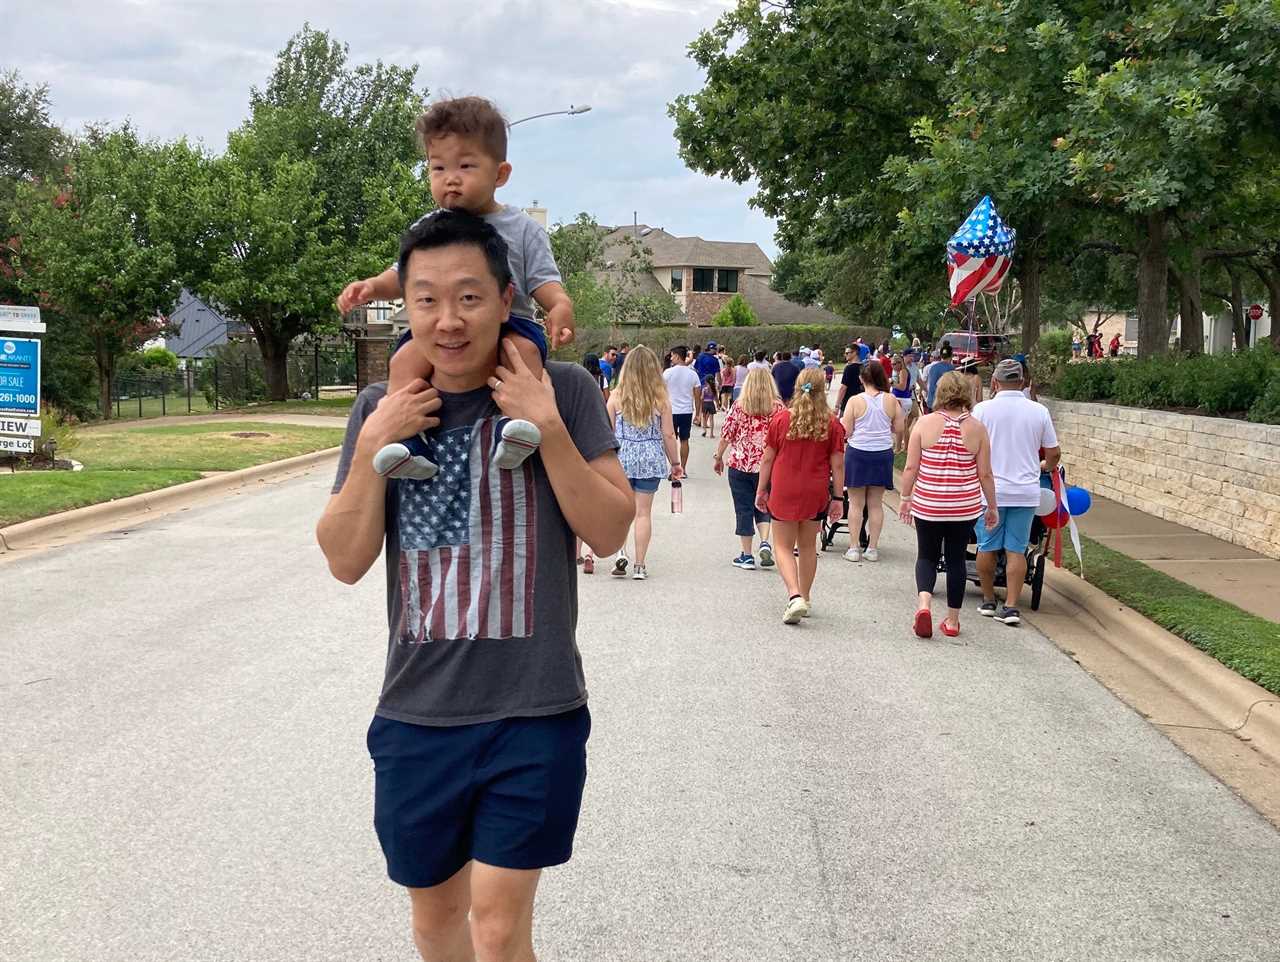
[(947, 478)]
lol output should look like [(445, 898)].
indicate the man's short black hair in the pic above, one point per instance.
[(681, 352), (609, 347), (443, 228), (946, 350), (786, 355), (760, 355)]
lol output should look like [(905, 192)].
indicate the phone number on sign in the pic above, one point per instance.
[(7, 398)]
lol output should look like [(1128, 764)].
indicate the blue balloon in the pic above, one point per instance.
[(1078, 501)]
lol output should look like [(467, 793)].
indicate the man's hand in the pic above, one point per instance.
[(519, 394), (355, 294), (402, 414), (991, 517)]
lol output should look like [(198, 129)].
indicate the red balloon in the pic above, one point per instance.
[(1058, 519)]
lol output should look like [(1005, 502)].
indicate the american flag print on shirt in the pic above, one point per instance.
[(467, 543), (979, 253)]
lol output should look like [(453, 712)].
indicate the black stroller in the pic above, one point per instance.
[(1037, 552), (830, 529)]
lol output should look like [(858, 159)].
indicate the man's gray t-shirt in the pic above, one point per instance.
[(482, 591), (528, 253)]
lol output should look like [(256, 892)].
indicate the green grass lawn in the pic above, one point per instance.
[(1245, 643), (154, 407), (125, 460), (330, 407), (33, 494)]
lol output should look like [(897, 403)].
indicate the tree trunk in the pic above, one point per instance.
[(1030, 281), (1191, 305), (275, 359), (1153, 285), (1272, 277), (106, 364), (1239, 318)]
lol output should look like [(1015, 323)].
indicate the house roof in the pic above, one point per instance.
[(772, 308), (671, 251)]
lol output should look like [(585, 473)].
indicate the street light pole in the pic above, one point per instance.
[(553, 113)]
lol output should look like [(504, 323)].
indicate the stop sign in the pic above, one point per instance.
[(1255, 312)]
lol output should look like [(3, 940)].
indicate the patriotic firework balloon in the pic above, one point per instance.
[(979, 253)]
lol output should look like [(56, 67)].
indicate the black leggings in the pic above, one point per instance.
[(932, 537)]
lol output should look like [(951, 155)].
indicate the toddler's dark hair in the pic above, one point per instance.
[(472, 117)]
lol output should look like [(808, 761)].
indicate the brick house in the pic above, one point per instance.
[(702, 276)]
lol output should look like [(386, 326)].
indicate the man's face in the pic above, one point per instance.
[(611, 356), (455, 311), (463, 175)]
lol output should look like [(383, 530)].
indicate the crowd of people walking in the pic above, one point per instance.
[(795, 459)]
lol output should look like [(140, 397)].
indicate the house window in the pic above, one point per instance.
[(704, 279), (727, 281), (677, 280)]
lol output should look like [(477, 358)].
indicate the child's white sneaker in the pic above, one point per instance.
[(519, 440), (396, 461), (853, 554)]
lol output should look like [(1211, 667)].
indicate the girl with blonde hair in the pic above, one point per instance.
[(641, 413), (799, 473), (743, 436)]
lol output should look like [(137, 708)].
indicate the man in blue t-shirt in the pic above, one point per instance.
[(706, 365), (784, 376), (864, 351), (606, 363), (936, 370)]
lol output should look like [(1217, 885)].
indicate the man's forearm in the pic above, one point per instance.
[(598, 511), (352, 528)]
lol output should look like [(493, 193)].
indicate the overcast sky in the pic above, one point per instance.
[(185, 67)]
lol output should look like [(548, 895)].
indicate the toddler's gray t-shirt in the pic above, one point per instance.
[(482, 589), (528, 253)]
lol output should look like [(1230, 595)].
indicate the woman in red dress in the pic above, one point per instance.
[(803, 465)]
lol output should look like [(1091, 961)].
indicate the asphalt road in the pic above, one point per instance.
[(184, 773)]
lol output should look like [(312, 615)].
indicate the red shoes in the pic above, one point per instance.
[(951, 631), (924, 623)]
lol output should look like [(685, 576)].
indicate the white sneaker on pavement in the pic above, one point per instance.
[(871, 554), (853, 554)]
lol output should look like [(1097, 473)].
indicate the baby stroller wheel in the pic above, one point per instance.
[(1037, 582)]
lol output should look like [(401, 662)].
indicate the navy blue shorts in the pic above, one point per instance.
[(683, 423), (506, 793), (516, 325)]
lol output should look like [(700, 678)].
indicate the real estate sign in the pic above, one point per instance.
[(19, 376), (20, 320)]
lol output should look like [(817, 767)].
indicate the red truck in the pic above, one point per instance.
[(987, 348)]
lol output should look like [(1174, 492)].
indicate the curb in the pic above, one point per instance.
[(66, 525), (1240, 707)]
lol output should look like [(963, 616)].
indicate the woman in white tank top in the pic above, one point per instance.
[(873, 421)]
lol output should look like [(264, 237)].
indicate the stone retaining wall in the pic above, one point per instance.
[(1214, 475)]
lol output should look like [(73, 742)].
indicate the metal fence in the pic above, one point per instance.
[(234, 378)]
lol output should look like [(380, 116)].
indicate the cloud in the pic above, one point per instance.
[(176, 67)]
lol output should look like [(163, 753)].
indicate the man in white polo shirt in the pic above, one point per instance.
[(1020, 429)]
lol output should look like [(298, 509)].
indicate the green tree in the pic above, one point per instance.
[(98, 245), (314, 189), (735, 313), (606, 292), (1169, 100)]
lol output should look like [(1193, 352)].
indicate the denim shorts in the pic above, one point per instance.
[(1013, 533), (506, 793), (644, 485)]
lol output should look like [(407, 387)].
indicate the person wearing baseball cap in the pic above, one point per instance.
[(1019, 429)]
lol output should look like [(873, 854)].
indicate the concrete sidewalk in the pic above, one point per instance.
[(1235, 574)]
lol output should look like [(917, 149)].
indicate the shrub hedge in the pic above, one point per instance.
[(1245, 382), (739, 340)]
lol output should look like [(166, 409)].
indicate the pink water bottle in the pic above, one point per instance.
[(677, 497)]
